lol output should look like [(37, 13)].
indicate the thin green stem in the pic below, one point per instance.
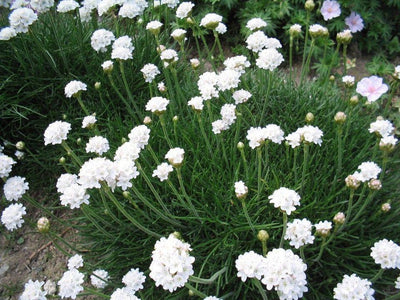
[(344, 59), (340, 149), (377, 275), (365, 204), (71, 153), (182, 186), (285, 219), (245, 166), (209, 280), (265, 102), (305, 165), (305, 40), (221, 51), (195, 291), (259, 287), (129, 108), (306, 68), (128, 90), (82, 104), (164, 129), (302, 253), (246, 214), (349, 209), (203, 133), (290, 58), (259, 167)]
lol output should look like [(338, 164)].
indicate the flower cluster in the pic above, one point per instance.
[(33, 290), (257, 135), (298, 232), (286, 199), (306, 134), (15, 187), (387, 254), (353, 287)]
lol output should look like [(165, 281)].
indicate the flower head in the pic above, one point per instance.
[(353, 287), (74, 88), (286, 199), (74, 196), (196, 103), (250, 265), (269, 59), (241, 190), (241, 96), (75, 262), (184, 10), (100, 39), (134, 279), (323, 228), (99, 278), (140, 135), (12, 216), (256, 24), (368, 170), (382, 128), (56, 132), (157, 105), (154, 27), (298, 232), (256, 41), (163, 171), (21, 18), (89, 121), (211, 21), (70, 284), (387, 254), (150, 72), (15, 187), (354, 22), (33, 290), (7, 33), (98, 145), (371, 87), (124, 293), (65, 6), (175, 156)]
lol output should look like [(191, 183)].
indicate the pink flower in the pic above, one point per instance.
[(330, 10), (372, 88), (354, 22)]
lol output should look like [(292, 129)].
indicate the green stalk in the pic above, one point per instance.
[(94, 292), (246, 168), (129, 108), (82, 104), (209, 280), (344, 59), (71, 153), (195, 291), (221, 52), (259, 164), (305, 40), (349, 208), (269, 75), (246, 213), (340, 150), (285, 219), (389, 100), (305, 164), (377, 275), (302, 253), (128, 90), (189, 201), (258, 285), (365, 204), (163, 125), (306, 69), (290, 58), (296, 152), (203, 133)]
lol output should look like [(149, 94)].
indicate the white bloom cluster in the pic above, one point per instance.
[(66, 180), (125, 171), (41, 6), (237, 63), (184, 10), (74, 195), (255, 24), (241, 189), (286, 199), (154, 26), (212, 298), (128, 150), (298, 233), (269, 59), (207, 85), (295, 29), (250, 265), (228, 79), (307, 134), (228, 118), (323, 227), (196, 103), (171, 263), (150, 72), (169, 56), (178, 34), (21, 18), (99, 278), (348, 80), (258, 135), (382, 128), (74, 87), (6, 163), (56, 132), (157, 105), (107, 66), (88, 121), (134, 279), (317, 30), (285, 272), (368, 170), (353, 287), (65, 6), (175, 156), (97, 170), (75, 262), (388, 142), (221, 28), (211, 21), (124, 293), (397, 283), (33, 290), (7, 33), (12, 216), (163, 171), (140, 135), (256, 41), (15, 187), (218, 126), (70, 284), (170, 3), (105, 5), (132, 9), (122, 48), (387, 254), (100, 39), (97, 144), (241, 96)]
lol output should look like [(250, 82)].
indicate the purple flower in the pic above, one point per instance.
[(330, 10), (354, 22), (371, 87)]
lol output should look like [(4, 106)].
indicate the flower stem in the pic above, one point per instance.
[(305, 162), (259, 165), (308, 60), (195, 291), (203, 133), (82, 105), (377, 275), (71, 153), (189, 201), (344, 59), (258, 285), (209, 280), (128, 107), (246, 213), (290, 58), (162, 121), (285, 219)]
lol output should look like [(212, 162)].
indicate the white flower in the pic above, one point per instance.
[(250, 265), (163, 171), (6, 163), (74, 87), (285, 272), (88, 121), (105, 5), (33, 291), (295, 29), (107, 66), (207, 85), (383, 128), (196, 103), (237, 63), (348, 80), (170, 3), (99, 278), (256, 41), (123, 42), (56, 132), (100, 39), (65, 180), (212, 298), (178, 34), (171, 263), (12, 216), (121, 53), (74, 196), (218, 126), (169, 56), (75, 262), (269, 59), (150, 72), (371, 87), (15, 187), (286, 199), (154, 26), (19, 154), (397, 283), (228, 114), (323, 227), (310, 134), (140, 135), (274, 133), (134, 279), (85, 14), (211, 21), (387, 254), (353, 287), (21, 18), (256, 24), (368, 170), (241, 189), (330, 9), (272, 43), (228, 79), (65, 6), (298, 232), (18, 4), (157, 105), (221, 28), (294, 139), (125, 171), (184, 10), (175, 156), (388, 142), (97, 144), (7, 33), (132, 9), (123, 294), (50, 287), (97, 170), (70, 284), (128, 150), (316, 30), (241, 96), (256, 137)]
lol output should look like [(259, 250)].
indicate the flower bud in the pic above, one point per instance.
[(147, 120), (140, 21), (19, 154), (344, 37), (190, 293), (375, 184), (161, 48), (107, 66), (309, 118), (396, 74), (126, 194), (354, 100), (190, 21), (123, 140), (175, 119), (263, 235), (62, 160), (97, 85), (43, 225), (64, 116), (295, 30), (161, 87), (386, 207), (352, 182), (240, 146), (78, 141), (195, 63), (340, 118), (339, 218), (177, 235), (309, 5), (20, 145), (332, 78)]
